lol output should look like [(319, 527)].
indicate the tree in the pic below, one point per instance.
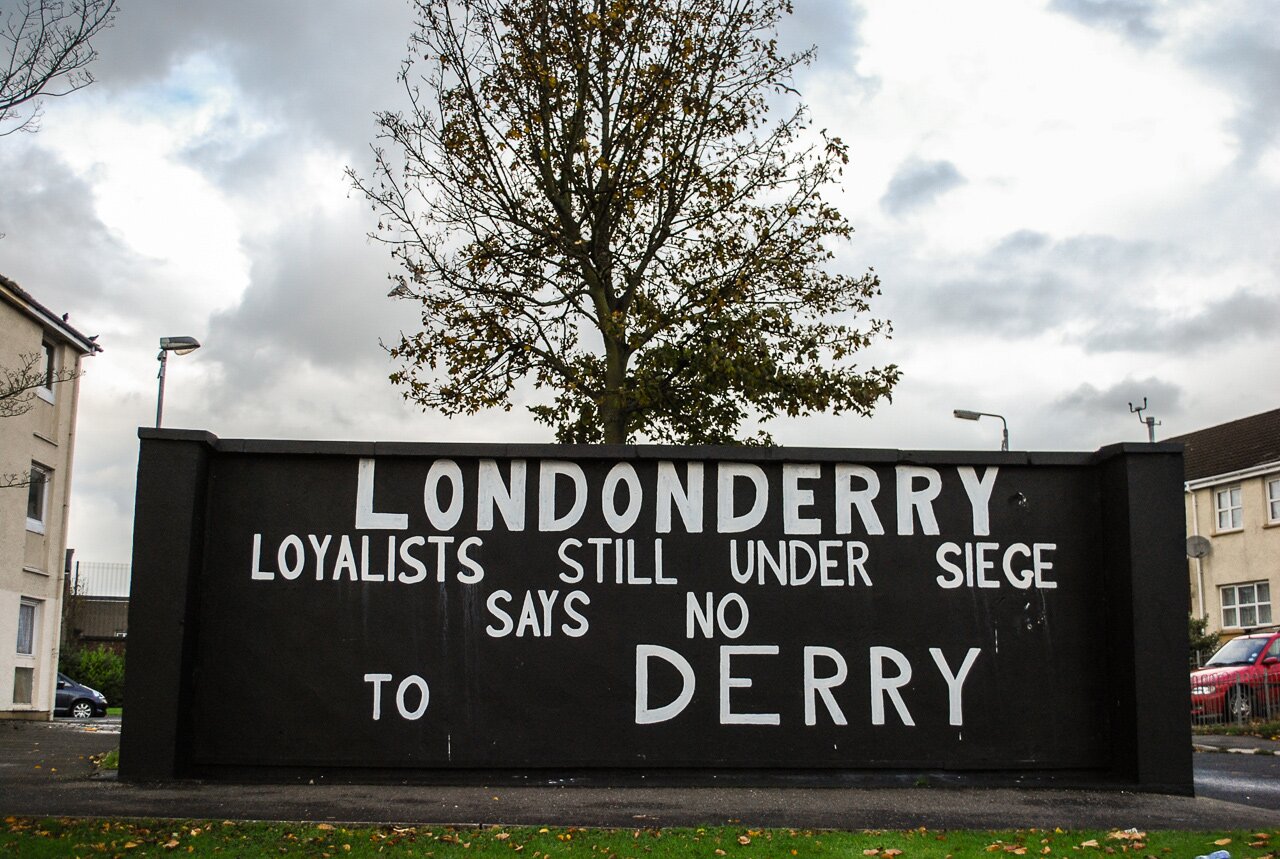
[(1203, 644), (18, 388), (47, 47), (592, 194)]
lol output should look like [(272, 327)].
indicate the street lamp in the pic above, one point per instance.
[(180, 345), (966, 415)]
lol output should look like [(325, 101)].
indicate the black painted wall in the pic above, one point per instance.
[(281, 621)]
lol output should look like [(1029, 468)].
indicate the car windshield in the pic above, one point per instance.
[(1238, 651)]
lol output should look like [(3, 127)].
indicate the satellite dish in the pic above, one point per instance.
[(1197, 546)]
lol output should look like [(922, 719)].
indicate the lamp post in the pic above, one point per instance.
[(180, 345), (966, 415)]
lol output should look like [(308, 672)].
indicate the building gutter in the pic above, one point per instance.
[(1195, 531), (1232, 476)]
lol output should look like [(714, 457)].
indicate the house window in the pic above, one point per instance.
[(22, 682), (1273, 500), (1230, 509), (1246, 605), (27, 628), (38, 497), (45, 391), (24, 675)]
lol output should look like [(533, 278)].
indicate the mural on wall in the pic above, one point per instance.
[(470, 607)]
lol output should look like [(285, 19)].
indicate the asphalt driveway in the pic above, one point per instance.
[(46, 769)]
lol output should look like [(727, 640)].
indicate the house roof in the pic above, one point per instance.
[(1231, 447), (20, 298)]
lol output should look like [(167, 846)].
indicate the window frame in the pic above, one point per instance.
[(1235, 606), (1272, 486), (28, 635), (45, 390), (29, 673), (29, 607), (1236, 521), (45, 475)]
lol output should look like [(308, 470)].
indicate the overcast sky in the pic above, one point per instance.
[(1072, 205)]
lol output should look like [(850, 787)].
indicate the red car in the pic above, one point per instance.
[(1239, 682)]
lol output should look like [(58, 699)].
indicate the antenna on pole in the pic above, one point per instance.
[(1151, 422)]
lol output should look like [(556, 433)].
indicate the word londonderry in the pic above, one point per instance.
[(742, 497)]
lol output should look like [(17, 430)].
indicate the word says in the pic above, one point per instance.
[(977, 564), (532, 622), (883, 686), (622, 497), (294, 557)]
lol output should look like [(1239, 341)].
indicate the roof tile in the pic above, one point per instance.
[(1232, 446)]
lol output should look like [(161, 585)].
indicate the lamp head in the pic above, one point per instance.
[(966, 415), (180, 345)]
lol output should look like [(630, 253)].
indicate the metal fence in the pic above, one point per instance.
[(1236, 695), (101, 579)]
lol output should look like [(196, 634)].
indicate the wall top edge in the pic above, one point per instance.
[(653, 452)]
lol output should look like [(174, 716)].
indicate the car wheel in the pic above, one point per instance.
[(81, 710), (1239, 705)]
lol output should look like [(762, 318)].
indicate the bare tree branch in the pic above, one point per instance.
[(45, 51), (19, 388)]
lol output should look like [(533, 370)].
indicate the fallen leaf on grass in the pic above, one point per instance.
[(170, 844), (1223, 842), (1127, 835), (892, 851), (1092, 842), (502, 836)]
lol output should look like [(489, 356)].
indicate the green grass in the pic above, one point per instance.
[(108, 761), (115, 711), (1267, 730), (37, 838)]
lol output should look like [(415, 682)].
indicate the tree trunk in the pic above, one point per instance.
[(613, 419)]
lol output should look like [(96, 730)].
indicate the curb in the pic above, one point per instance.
[(1199, 747)]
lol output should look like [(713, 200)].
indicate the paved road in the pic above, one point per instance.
[(45, 771), (1248, 779)]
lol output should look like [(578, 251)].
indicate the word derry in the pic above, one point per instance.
[(742, 497), (885, 685)]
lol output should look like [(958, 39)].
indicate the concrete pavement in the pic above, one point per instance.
[(1235, 745), (46, 770)]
